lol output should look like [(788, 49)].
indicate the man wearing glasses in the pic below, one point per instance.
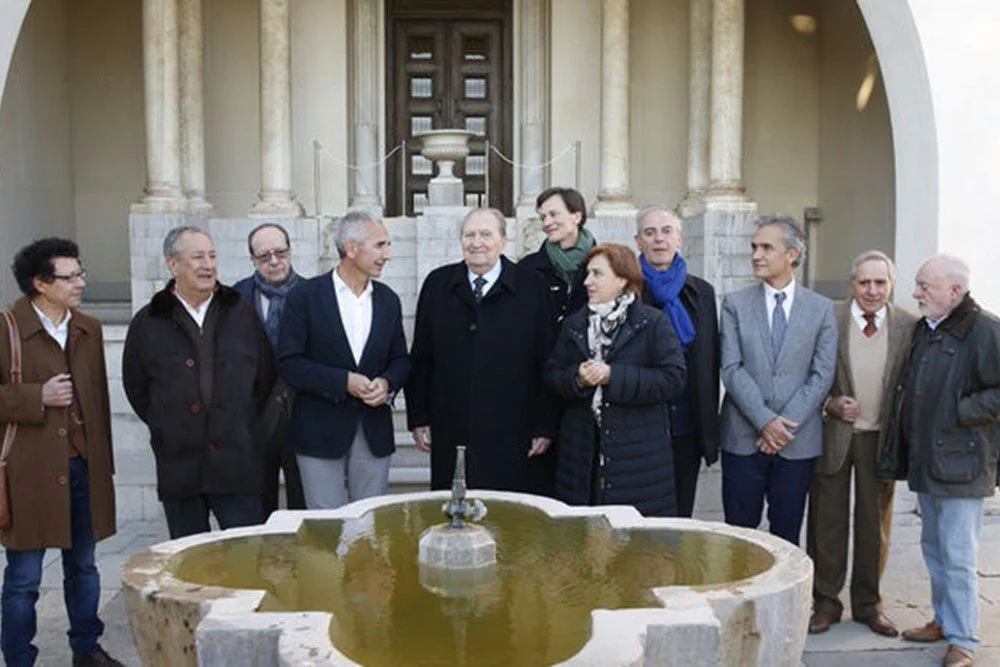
[(59, 464), (267, 289)]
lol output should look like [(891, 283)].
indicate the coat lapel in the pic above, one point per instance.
[(378, 312), (898, 346), (763, 327), (844, 321), (328, 297)]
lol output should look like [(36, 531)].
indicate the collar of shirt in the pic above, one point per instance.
[(58, 331), (197, 314), (786, 305), (859, 316), (933, 324), (344, 289), (491, 277)]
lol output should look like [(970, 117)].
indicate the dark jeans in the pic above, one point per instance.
[(190, 515), (687, 465), (81, 584), (280, 456), (748, 480)]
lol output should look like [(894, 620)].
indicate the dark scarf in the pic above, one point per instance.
[(276, 295), (666, 287), (567, 261)]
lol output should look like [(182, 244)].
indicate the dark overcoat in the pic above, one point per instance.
[(477, 378), (702, 361), (201, 446), (631, 450), (315, 359), (38, 468), (562, 299)]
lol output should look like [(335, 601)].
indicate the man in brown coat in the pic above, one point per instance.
[(60, 466), (874, 341)]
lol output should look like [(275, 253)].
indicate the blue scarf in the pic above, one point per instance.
[(276, 295), (666, 288)]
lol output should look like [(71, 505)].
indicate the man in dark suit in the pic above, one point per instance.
[(779, 352), (480, 343), (689, 302), (343, 351), (267, 289), (874, 341)]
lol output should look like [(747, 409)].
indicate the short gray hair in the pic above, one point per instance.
[(652, 208), (953, 267), (791, 233), (172, 241), (352, 229), (874, 256), (496, 213)]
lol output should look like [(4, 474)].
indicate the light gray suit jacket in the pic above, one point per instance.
[(759, 387)]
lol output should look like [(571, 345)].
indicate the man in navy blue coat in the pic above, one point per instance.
[(342, 348)]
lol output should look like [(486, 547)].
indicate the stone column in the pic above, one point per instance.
[(726, 161), (700, 105), (615, 195), (275, 198), (533, 29), (364, 93), (192, 107), (163, 192)]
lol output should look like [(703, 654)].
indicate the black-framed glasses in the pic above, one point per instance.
[(71, 277), (279, 254)]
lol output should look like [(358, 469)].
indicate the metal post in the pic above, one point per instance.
[(402, 177), (486, 175), (576, 167), (317, 197)]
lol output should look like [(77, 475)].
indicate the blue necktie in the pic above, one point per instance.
[(778, 324)]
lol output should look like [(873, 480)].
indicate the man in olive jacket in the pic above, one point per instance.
[(60, 466), (198, 369), (943, 436)]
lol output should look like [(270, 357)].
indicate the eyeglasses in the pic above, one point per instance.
[(280, 255), (71, 277)]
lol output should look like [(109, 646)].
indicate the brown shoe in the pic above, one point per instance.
[(957, 657), (926, 633), (821, 622), (879, 624)]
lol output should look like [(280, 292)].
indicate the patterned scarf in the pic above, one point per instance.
[(666, 288), (603, 323), (276, 295)]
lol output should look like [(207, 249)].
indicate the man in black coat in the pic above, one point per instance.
[(267, 289), (689, 302), (197, 369), (480, 343)]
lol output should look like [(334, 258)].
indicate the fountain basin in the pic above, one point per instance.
[(574, 586)]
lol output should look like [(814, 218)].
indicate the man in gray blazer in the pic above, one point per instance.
[(779, 352), (874, 342)]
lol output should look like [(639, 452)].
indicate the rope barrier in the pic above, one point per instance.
[(319, 147), (521, 165)]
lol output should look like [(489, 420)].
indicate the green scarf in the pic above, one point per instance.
[(567, 261)]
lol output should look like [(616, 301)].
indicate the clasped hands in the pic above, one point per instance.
[(372, 393), (592, 373), (776, 435), (57, 392)]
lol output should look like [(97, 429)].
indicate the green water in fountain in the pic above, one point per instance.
[(550, 574)]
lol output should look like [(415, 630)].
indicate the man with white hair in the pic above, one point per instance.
[(343, 351), (944, 436)]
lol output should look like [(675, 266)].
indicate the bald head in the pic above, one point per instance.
[(942, 283)]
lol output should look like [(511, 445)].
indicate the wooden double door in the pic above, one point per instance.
[(449, 69)]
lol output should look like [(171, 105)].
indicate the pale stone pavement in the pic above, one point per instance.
[(906, 591)]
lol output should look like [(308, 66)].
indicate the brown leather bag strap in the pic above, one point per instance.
[(15, 378)]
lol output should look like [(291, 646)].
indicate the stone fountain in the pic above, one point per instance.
[(381, 582)]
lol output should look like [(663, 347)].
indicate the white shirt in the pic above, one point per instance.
[(265, 303), (355, 314), (490, 276), (859, 316), (58, 331), (786, 305), (197, 314)]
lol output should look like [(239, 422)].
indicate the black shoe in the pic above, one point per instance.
[(99, 658)]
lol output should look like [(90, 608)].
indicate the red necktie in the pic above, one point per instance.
[(870, 327)]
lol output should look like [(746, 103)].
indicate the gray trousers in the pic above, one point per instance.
[(330, 483)]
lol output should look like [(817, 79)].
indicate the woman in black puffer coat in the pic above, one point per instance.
[(616, 366)]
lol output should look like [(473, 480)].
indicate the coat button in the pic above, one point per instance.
[(212, 446), (61, 433), (61, 480), (472, 327), (195, 408), (189, 363)]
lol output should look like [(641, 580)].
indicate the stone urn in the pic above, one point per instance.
[(445, 147)]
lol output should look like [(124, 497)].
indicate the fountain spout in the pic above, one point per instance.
[(458, 509)]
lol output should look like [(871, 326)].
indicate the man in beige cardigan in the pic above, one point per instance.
[(874, 340)]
